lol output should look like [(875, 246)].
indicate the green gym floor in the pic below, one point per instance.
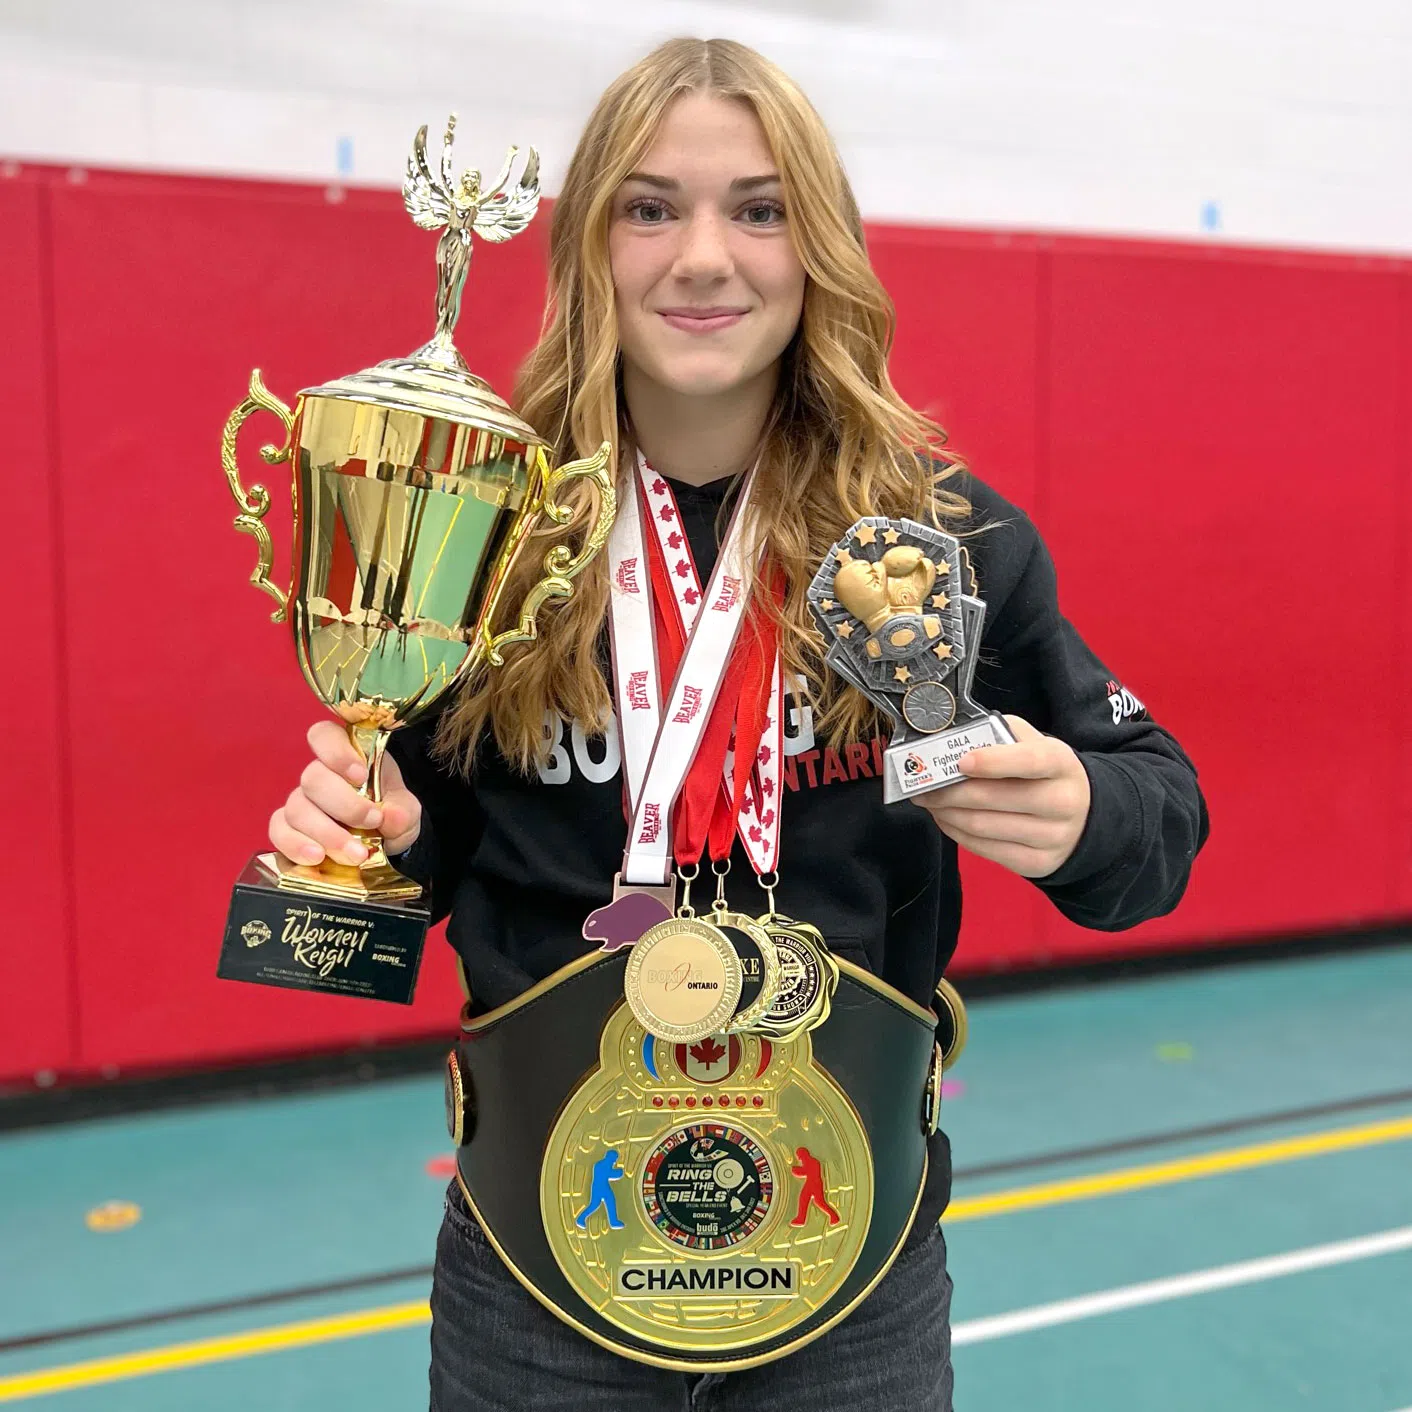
[(1185, 1191)]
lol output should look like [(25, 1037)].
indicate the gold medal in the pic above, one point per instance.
[(808, 979), (683, 979), (759, 961), (760, 966)]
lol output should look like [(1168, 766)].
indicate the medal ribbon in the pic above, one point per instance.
[(752, 770), (682, 780)]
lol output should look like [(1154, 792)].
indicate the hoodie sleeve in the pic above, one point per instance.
[(1147, 818), (452, 817)]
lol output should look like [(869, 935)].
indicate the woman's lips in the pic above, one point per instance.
[(702, 320)]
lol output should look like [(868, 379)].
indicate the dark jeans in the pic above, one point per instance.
[(494, 1348)]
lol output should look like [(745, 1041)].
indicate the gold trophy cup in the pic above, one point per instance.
[(415, 487)]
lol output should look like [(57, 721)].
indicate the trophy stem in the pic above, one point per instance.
[(371, 743)]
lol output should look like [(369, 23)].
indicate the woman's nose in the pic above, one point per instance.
[(705, 250)]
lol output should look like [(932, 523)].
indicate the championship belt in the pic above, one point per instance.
[(704, 1205), (703, 1144)]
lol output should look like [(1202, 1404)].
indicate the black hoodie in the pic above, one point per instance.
[(519, 862)]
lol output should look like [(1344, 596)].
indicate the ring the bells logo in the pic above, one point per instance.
[(706, 1195)]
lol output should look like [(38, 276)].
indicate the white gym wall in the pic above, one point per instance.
[(1246, 120)]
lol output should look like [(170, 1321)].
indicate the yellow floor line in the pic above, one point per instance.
[(1183, 1169), (395, 1316), (212, 1350)]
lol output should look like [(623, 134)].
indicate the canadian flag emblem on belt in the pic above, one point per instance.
[(709, 1060)]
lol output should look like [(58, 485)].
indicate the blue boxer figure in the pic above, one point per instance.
[(605, 1170)]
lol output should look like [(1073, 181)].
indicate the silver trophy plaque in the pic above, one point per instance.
[(901, 619)]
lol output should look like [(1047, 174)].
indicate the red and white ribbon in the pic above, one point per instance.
[(659, 744), (759, 822), (637, 685)]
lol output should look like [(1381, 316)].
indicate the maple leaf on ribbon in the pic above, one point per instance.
[(707, 1052), (691, 595), (666, 513), (659, 486), (683, 568), (764, 756), (767, 787), (674, 539)]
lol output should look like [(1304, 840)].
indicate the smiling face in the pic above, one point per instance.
[(708, 285)]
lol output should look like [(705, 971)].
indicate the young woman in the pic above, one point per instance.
[(713, 310)]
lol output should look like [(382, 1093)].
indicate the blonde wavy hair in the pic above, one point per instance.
[(839, 442)]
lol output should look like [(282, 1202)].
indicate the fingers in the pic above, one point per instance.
[(401, 822), (1027, 759), (336, 796), (1033, 756), (331, 746), (317, 819), (1017, 857), (303, 831), (997, 826), (1040, 797)]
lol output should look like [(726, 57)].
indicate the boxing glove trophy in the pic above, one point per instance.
[(897, 603)]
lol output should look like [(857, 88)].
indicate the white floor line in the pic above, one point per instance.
[(1064, 1311)]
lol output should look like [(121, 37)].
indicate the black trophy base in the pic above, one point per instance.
[(338, 946)]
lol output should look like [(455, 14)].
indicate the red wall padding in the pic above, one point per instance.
[(1216, 445), (1397, 682), (1221, 491), (37, 1028)]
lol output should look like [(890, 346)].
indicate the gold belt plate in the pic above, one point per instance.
[(707, 1195)]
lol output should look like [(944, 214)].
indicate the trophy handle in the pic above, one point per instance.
[(560, 565), (255, 502)]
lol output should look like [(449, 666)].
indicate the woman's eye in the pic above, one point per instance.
[(763, 213), (647, 211)]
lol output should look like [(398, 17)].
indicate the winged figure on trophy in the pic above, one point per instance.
[(436, 199)]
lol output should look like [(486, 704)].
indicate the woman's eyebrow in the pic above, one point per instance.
[(663, 183)]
